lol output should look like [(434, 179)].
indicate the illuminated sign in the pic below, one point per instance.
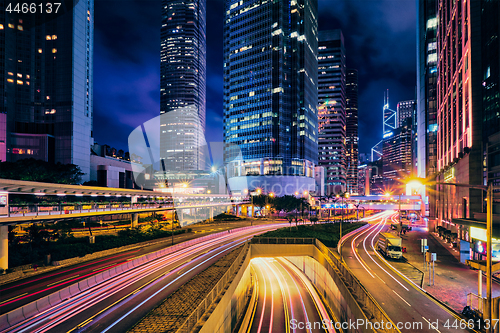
[(433, 127), (387, 135), (3, 200), (449, 174)]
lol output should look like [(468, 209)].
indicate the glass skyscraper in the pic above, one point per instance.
[(332, 109), (46, 84), (270, 93), (183, 84), (352, 137)]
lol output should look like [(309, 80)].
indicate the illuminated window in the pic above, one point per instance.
[(54, 50), (39, 50), (27, 82), (19, 75), (54, 37), (48, 97), (1, 26), (19, 82), (10, 80), (20, 27), (11, 26), (10, 73), (27, 76), (48, 37)]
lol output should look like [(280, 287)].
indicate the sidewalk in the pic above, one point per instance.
[(453, 280)]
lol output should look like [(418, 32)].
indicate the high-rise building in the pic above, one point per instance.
[(405, 110), (390, 117), (427, 125), (460, 108), (468, 132), (352, 137), (270, 94), (46, 84), (183, 85), (397, 152), (332, 109)]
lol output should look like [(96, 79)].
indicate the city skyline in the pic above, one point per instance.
[(127, 79)]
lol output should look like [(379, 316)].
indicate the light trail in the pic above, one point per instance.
[(85, 300)]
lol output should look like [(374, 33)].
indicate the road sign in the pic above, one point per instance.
[(433, 256)]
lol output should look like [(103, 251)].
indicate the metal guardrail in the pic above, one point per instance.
[(39, 210), (276, 240), (214, 294), (363, 297), (475, 302)]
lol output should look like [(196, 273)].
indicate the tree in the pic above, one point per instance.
[(40, 171)]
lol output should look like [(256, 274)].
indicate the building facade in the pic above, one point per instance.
[(270, 94), (405, 110), (427, 125), (397, 153), (352, 137), (459, 104), (183, 85), (390, 117), (332, 153), (46, 81)]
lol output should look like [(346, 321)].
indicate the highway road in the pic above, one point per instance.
[(115, 305), (286, 301), (404, 302), (24, 291)]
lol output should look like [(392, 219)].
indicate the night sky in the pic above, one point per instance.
[(380, 41)]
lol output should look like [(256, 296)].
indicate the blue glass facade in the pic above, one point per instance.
[(270, 86)]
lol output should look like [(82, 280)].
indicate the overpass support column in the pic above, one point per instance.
[(4, 247), (135, 220), (211, 213), (237, 209)]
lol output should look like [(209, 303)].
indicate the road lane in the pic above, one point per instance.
[(102, 307), (287, 301), (24, 291), (403, 301)]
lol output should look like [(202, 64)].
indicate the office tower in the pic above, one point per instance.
[(46, 83), (183, 85), (397, 153), (405, 110), (427, 126), (390, 120), (460, 108), (352, 137), (270, 94), (332, 109)]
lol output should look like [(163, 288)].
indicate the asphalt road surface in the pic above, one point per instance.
[(24, 291), (286, 301), (404, 302), (118, 303)]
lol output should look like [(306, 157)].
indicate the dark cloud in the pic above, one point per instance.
[(379, 37)]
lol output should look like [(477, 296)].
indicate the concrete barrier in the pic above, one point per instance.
[(74, 290), (14, 317), (54, 299), (43, 304), (91, 281), (64, 294), (30, 310), (4, 323), (83, 285)]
